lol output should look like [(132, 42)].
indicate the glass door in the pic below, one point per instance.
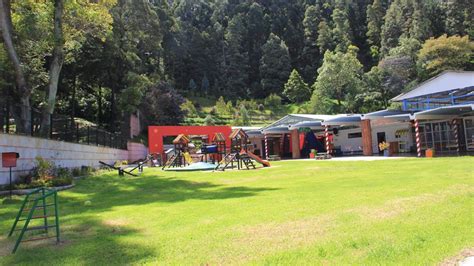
[(469, 133)]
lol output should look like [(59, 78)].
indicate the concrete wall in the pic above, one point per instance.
[(64, 154)]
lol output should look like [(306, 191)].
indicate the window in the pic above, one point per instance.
[(354, 135)]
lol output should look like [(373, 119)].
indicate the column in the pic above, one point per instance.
[(417, 138), (366, 137), (295, 144)]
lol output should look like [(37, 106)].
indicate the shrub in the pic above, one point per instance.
[(44, 169), (62, 181)]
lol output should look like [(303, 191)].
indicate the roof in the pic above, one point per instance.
[(344, 120), (382, 114), (307, 124), (218, 137), (444, 82), (446, 112), (238, 133), (181, 138), (292, 119), (276, 130)]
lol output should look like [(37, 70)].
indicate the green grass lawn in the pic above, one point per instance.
[(408, 211)]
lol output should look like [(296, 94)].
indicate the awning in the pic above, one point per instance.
[(276, 130), (383, 114), (346, 120), (400, 117), (446, 112), (307, 124), (254, 133)]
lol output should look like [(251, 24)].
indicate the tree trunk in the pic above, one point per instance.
[(24, 92), (55, 67)]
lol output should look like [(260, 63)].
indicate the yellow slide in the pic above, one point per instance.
[(188, 158)]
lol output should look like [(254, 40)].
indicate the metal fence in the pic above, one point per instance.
[(63, 128)]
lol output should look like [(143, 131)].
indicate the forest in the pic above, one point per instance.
[(169, 60)]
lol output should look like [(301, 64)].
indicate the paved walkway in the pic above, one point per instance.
[(357, 158)]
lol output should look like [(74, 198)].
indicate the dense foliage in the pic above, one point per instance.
[(120, 56)]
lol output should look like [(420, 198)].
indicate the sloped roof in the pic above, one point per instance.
[(238, 133), (292, 119), (218, 137), (181, 138), (444, 82)]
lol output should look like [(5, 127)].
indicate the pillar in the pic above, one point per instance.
[(417, 138), (326, 136), (366, 137), (266, 147), (295, 144), (455, 124)]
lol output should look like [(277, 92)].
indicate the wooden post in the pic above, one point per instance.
[(366, 137), (295, 144)]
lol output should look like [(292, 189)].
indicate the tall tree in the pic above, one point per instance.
[(22, 89), (375, 14), (325, 40), (274, 66), (339, 78), (310, 56), (459, 17), (341, 31), (55, 67)]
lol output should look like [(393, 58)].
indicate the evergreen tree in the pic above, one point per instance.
[(236, 64), (375, 14), (205, 85), (459, 17), (325, 40), (244, 116), (341, 31), (296, 90), (310, 56), (274, 65)]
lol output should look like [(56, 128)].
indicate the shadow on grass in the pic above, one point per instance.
[(109, 190), (88, 242)]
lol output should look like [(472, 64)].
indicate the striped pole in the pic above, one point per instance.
[(456, 134), (417, 138), (326, 136), (266, 147)]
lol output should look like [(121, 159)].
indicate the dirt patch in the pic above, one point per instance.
[(397, 207), (117, 225), (272, 237), (458, 258)]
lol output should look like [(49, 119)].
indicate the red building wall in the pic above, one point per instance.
[(156, 134)]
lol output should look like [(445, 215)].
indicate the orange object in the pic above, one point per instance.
[(9, 159), (429, 153)]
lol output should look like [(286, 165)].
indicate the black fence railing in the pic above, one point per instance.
[(62, 128)]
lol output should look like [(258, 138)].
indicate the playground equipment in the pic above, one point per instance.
[(39, 199), (122, 170), (240, 153), (217, 149), (181, 156)]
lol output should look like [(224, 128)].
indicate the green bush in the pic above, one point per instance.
[(43, 170), (62, 181)]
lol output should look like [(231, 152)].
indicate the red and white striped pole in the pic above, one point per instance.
[(456, 134), (266, 146), (417, 138), (326, 136)]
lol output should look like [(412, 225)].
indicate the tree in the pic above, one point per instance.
[(244, 116), (209, 120), (459, 17), (310, 55), (341, 31), (23, 91), (445, 53), (325, 40), (274, 65), (273, 103), (339, 78), (205, 85), (221, 106), (375, 14), (162, 105), (54, 68), (296, 90), (404, 18)]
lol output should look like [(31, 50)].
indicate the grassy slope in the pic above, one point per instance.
[(414, 211)]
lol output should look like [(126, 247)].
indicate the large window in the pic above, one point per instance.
[(438, 136), (469, 132)]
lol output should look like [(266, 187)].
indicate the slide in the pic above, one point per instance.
[(188, 158), (265, 163)]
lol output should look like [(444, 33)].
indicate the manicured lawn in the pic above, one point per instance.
[(409, 211)]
